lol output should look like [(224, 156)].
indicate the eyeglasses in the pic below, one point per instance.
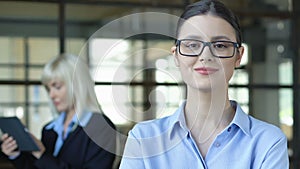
[(194, 48)]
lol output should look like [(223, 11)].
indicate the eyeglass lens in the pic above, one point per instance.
[(218, 48)]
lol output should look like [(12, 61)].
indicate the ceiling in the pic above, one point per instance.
[(93, 10)]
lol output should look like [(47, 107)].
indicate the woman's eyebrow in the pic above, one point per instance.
[(196, 37), (220, 38), (215, 38), (55, 83)]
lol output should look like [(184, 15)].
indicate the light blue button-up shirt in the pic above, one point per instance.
[(58, 126), (166, 143)]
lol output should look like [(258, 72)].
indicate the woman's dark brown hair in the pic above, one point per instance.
[(211, 7)]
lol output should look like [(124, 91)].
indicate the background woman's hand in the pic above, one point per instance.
[(41, 146), (9, 146)]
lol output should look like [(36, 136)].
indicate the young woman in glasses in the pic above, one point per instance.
[(208, 131)]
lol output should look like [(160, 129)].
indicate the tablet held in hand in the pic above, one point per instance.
[(14, 127)]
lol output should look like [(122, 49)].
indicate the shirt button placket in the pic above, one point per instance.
[(217, 144)]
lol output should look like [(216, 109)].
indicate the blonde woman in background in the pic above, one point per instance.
[(71, 141)]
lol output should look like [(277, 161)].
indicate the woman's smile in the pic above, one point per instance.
[(206, 70)]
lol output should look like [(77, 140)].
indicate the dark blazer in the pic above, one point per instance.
[(91, 147)]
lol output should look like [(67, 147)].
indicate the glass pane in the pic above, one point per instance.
[(12, 50), (109, 60), (12, 73), (115, 102), (168, 99), (286, 72), (115, 60), (12, 94), (42, 49), (38, 95), (265, 105), (240, 76), (286, 112), (75, 45), (241, 95), (270, 52), (13, 109), (35, 73), (126, 104), (39, 110), (39, 115)]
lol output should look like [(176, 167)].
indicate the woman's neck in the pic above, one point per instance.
[(207, 114), (69, 116), (208, 108)]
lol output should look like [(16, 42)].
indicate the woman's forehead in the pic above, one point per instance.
[(206, 27), (54, 81)]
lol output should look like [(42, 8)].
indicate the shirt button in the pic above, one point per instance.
[(217, 144), (229, 129)]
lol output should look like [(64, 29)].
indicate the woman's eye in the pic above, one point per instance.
[(58, 87), (221, 45), (192, 45)]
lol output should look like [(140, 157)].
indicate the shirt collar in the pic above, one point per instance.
[(178, 119), (85, 118), (240, 119), (58, 122)]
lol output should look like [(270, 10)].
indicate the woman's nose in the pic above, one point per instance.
[(206, 55), (51, 93)]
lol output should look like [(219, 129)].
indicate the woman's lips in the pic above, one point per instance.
[(56, 103), (205, 70)]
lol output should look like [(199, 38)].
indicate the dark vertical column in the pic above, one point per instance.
[(61, 26), (149, 95), (149, 87), (295, 48), (26, 75), (257, 57)]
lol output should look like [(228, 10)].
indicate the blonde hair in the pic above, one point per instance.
[(74, 72)]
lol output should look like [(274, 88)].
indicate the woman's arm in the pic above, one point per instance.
[(277, 156)]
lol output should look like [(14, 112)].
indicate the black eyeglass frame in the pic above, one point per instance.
[(235, 44)]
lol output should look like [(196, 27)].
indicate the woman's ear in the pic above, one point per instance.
[(240, 52), (174, 52)]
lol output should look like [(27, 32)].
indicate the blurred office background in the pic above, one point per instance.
[(135, 76)]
